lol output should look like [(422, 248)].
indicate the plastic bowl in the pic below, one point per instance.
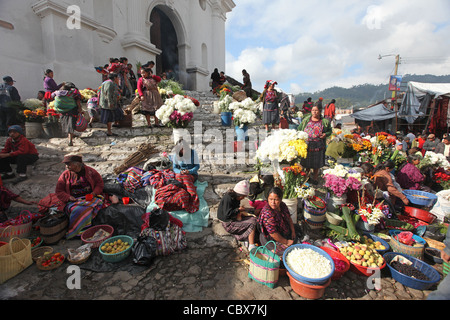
[(305, 280), (420, 214), (334, 218), (308, 291), (365, 271), (407, 281), (92, 230), (420, 198), (117, 257), (337, 255), (383, 242)]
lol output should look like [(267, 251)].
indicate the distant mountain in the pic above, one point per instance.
[(365, 94)]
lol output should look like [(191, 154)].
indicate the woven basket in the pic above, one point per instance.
[(92, 230), (240, 96), (54, 266), (36, 253), (435, 244), (19, 231), (15, 257), (264, 265), (53, 228), (415, 252)]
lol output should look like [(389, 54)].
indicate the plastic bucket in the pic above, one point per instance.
[(308, 291), (226, 118), (241, 133)]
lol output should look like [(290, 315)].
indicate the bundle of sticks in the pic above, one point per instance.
[(142, 154)]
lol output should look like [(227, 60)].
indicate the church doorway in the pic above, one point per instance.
[(164, 37)]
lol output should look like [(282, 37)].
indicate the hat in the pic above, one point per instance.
[(269, 83), (8, 79), (242, 188), (431, 136), (16, 128), (320, 98), (72, 158)]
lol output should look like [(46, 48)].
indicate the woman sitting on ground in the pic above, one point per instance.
[(73, 187), (409, 176), (234, 217), (383, 180), (276, 223)]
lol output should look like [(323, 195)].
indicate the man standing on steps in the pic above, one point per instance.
[(8, 93)]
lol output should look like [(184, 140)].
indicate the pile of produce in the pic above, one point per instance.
[(52, 260), (409, 270), (347, 232), (88, 93), (114, 247), (35, 242), (406, 237), (377, 245), (361, 254), (308, 263)]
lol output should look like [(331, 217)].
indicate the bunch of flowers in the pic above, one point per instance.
[(305, 193), (165, 93), (176, 112), (87, 94), (283, 146), (34, 116), (33, 104), (340, 180), (52, 115), (224, 103), (293, 177), (442, 177), (434, 161), (372, 214), (170, 87), (244, 112), (382, 149)]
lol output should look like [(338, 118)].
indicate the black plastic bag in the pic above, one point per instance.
[(144, 250), (158, 219)]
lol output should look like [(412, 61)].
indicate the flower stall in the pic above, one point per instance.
[(33, 122), (176, 113), (339, 180)]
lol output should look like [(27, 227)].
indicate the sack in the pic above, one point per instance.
[(15, 257), (169, 240), (81, 124), (144, 250), (264, 265), (5, 96)]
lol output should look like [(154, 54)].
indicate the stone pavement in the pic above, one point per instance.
[(213, 267)]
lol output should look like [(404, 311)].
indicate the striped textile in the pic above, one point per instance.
[(81, 213), (174, 198)]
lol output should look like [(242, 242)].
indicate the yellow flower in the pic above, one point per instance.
[(27, 112), (300, 146)]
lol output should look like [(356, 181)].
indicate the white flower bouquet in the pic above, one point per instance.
[(176, 112), (434, 160), (283, 146), (244, 112), (224, 103)]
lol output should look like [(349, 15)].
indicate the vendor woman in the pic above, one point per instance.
[(276, 223), (233, 215), (72, 188), (185, 160)]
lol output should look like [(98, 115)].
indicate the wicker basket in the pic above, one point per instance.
[(92, 230), (19, 231), (54, 266), (415, 252), (36, 253), (53, 228), (15, 257), (78, 261), (264, 265)]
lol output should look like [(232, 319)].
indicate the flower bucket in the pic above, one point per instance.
[(33, 130), (292, 207), (241, 133), (335, 202), (226, 118)]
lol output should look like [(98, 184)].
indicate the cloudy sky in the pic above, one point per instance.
[(308, 46)]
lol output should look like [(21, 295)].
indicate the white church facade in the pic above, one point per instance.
[(73, 37)]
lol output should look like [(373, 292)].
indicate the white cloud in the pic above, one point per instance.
[(309, 46)]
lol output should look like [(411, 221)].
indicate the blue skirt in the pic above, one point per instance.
[(108, 115)]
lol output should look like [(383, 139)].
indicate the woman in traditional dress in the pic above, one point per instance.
[(109, 103), (68, 104), (150, 98), (73, 187), (276, 223), (271, 111), (247, 87), (318, 129), (233, 216), (384, 182)]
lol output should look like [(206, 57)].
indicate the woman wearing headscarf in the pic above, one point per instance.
[(215, 80), (271, 110), (318, 129), (75, 188), (247, 87), (383, 181), (233, 216)]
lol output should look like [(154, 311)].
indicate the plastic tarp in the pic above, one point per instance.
[(192, 222), (418, 97), (378, 112)]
